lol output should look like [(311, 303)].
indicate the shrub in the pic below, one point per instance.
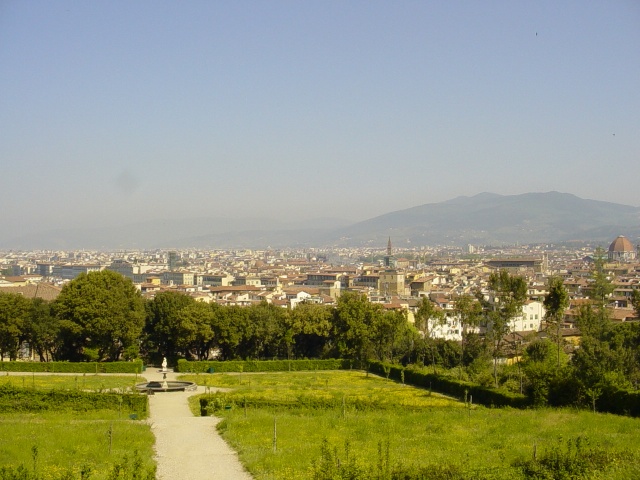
[(619, 401), (570, 460)]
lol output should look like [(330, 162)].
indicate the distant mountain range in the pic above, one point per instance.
[(483, 219), (494, 219)]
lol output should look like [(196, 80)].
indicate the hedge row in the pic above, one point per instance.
[(450, 386), (620, 402), (73, 367), (185, 366), (221, 400), (14, 399)]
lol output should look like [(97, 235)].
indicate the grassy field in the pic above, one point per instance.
[(68, 445), (375, 426), (73, 382)]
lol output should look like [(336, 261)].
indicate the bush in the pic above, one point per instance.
[(73, 367), (619, 401), (185, 366), (570, 460)]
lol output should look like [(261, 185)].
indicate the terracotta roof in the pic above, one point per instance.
[(621, 244), (44, 291)]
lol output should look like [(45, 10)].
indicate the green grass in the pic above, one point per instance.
[(67, 441), (73, 382), (356, 388), (59, 441), (419, 430)]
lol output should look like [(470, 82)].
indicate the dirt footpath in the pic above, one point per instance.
[(188, 447)]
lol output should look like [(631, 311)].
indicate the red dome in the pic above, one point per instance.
[(621, 244)]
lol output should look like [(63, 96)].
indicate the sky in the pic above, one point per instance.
[(117, 112)]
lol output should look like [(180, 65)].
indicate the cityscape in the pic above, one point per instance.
[(396, 278)]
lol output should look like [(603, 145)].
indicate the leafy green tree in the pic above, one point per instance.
[(102, 311), (476, 356), (42, 330), (391, 335), (601, 287), (428, 318), (264, 335), (193, 330), (540, 367), (469, 312), (229, 325), (555, 304), (353, 319), (509, 292), (593, 321), (635, 301), (608, 354), (311, 326), (163, 325), (14, 313)]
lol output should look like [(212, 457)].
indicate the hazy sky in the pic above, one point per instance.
[(117, 111)]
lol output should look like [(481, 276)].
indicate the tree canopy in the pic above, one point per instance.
[(101, 314)]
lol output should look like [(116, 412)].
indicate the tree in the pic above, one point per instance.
[(101, 311), (14, 312), (193, 330), (264, 333), (391, 335), (42, 330), (540, 368), (163, 326), (509, 292), (609, 354), (353, 319), (635, 301), (428, 317), (228, 325), (601, 286), (469, 312), (310, 326), (555, 304)]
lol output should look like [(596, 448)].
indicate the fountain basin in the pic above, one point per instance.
[(166, 386)]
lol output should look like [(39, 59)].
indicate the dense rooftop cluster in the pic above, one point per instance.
[(396, 278)]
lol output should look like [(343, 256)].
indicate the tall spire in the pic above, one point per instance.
[(389, 247)]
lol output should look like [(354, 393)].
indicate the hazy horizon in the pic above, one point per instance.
[(113, 113)]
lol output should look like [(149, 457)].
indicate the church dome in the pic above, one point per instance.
[(621, 244)]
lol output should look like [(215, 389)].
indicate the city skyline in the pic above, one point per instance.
[(114, 113)]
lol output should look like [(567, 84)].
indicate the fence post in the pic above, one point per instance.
[(275, 436)]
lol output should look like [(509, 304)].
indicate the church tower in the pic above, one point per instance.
[(389, 261), (391, 281)]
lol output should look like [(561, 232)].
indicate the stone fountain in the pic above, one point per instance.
[(155, 386)]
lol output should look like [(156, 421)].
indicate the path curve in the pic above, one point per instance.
[(188, 447)]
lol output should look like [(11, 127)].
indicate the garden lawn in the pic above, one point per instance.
[(400, 425), (58, 442)]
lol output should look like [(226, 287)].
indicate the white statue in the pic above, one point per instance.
[(164, 364)]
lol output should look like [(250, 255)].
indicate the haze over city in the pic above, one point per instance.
[(118, 112)]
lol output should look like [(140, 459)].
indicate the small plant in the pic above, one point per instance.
[(34, 456), (569, 460)]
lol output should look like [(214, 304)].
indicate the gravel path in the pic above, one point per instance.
[(188, 447)]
